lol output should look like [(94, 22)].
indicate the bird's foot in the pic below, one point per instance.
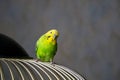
[(37, 60), (52, 63)]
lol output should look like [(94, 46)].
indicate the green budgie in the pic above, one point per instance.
[(46, 46)]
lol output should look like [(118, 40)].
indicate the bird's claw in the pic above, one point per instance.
[(37, 60), (52, 63)]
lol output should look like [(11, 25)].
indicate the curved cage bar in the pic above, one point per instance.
[(29, 69)]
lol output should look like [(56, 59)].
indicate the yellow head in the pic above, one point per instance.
[(52, 35)]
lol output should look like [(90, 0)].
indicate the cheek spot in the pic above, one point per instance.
[(48, 37)]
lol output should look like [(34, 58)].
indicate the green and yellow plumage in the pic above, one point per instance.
[(46, 46)]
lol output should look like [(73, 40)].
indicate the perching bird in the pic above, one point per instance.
[(46, 46)]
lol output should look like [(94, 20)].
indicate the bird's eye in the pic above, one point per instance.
[(51, 32)]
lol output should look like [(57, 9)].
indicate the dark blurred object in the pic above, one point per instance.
[(11, 49)]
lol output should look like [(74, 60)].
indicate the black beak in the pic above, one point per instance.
[(54, 37)]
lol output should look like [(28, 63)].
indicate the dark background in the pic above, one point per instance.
[(89, 41)]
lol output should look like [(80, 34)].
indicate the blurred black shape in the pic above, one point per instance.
[(11, 49)]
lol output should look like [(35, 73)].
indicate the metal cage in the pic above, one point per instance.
[(29, 69)]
